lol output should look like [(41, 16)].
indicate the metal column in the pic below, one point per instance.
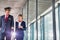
[(59, 18), (22, 11), (36, 19), (54, 20), (27, 16)]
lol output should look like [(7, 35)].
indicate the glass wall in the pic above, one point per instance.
[(32, 31), (45, 27), (31, 17), (57, 11), (39, 35), (48, 25), (45, 23), (57, 24), (42, 28)]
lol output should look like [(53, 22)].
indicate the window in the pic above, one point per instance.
[(29, 33), (42, 28), (32, 31), (48, 25), (39, 35), (57, 11)]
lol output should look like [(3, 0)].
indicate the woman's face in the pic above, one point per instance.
[(20, 18)]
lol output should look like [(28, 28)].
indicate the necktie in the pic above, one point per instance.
[(6, 19)]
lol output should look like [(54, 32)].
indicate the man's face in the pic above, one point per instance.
[(7, 12), (20, 18)]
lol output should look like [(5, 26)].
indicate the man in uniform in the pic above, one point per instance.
[(6, 24)]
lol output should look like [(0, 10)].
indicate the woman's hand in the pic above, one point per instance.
[(21, 27), (12, 28)]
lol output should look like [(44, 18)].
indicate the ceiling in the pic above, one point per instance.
[(18, 5), (42, 6), (12, 3)]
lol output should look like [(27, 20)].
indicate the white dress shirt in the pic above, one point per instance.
[(19, 24)]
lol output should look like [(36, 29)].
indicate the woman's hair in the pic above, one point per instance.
[(20, 15)]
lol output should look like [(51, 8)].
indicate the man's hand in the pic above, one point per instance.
[(21, 27)]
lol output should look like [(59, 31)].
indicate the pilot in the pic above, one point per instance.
[(6, 24)]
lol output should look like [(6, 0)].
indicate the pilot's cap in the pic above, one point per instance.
[(7, 8)]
